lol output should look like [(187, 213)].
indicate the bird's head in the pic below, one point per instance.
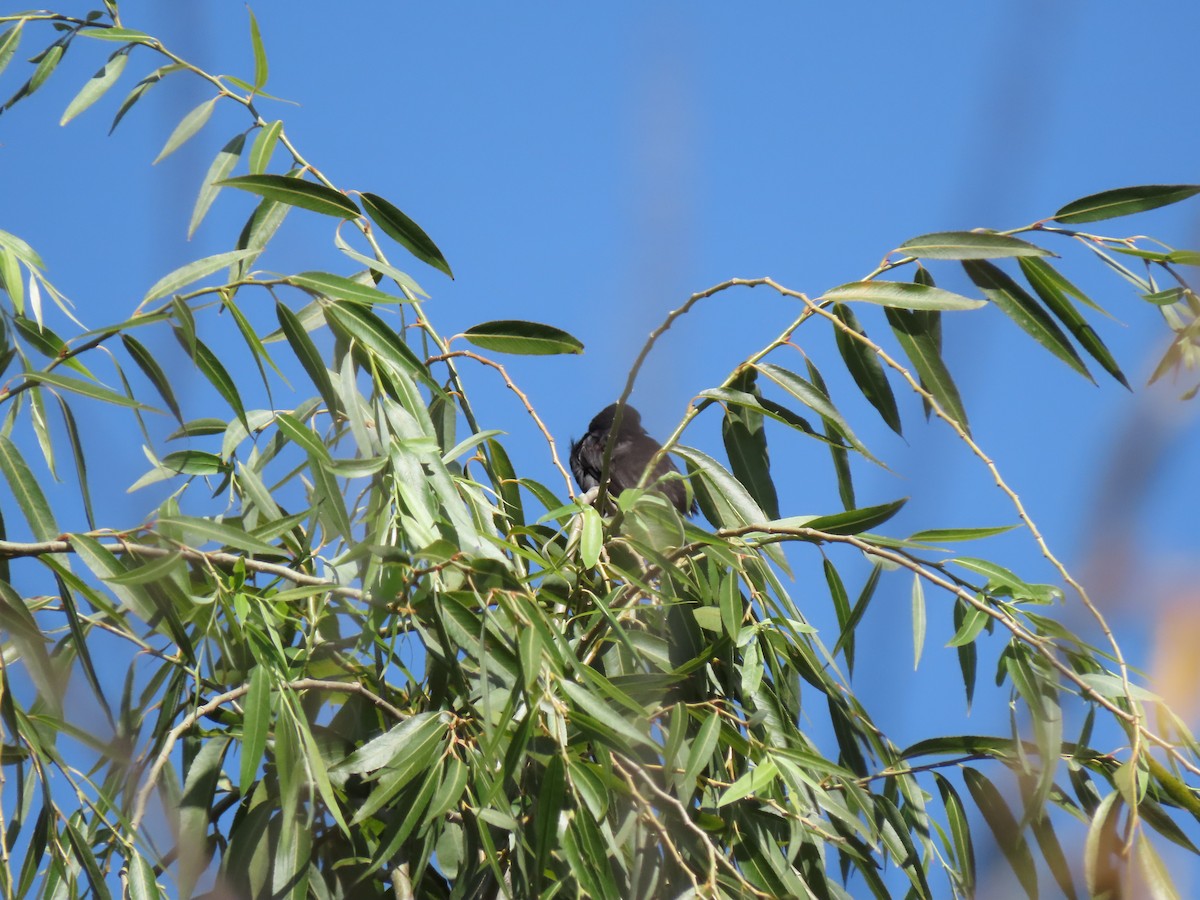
[(631, 420)]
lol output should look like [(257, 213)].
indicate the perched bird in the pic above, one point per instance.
[(632, 452)]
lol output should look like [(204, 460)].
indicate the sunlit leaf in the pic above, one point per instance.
[(526, 338), (221, 166), (9, 41), (260, 54), (264, 146), (341, 288), (921, 346), (1004, 826), (901, 295), (193, 271), (1025, 311), (187, 127), (864, 366), (1048, 288), (297, 192), (400, 228), (1123, 202), (96, 86), (27, 492), (969, 245)]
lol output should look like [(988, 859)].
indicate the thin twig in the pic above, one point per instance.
[(218, 558), (512, 386), (189, 721)]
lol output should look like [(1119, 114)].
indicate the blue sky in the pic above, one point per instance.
[(591, 168)]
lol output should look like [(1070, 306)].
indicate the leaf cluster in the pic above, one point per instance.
[(362, 652)]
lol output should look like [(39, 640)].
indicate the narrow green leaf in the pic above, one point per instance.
[(972, 623), (140, 89), (1123, 202), (303, 436), (151, 572), (342, 288), (10, 277), (260, 54), (1056, 300), (1155, 875), (381, 268), (1004, 826), (921, 345), (374, 337), (548, 811), (846, 635), (969, 245), (96, 86), (591, 539), (86, 389), (838, 453), (221, 166), (85, 857), (297, 192), (616, 731), (207, 530), (865, 368), (852, 521), (23, 636), (1101, 847), (952, 535), (722, 498), (1059, 283), (81, 471), (124, 35), (48, 63), (389, 747), (746, 446), (526, 338), (701, 753), (9, 41), (841, 605), (308, 355), (153, 372), (264, 146), (210, 367), (417, 757), (256, 723), (1052, 853), (48, 343), (104, 565), (195, 810), (188, 126), (901, 295), (918, 620), (405, 231), (960, 833), (27, 492), (257, 233), (193, 271), (330, 499), (1025, 311), (814, 398), (142, 885), (194, 462), (41, 430)]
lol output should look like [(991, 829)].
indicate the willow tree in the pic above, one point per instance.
[(362, 653)]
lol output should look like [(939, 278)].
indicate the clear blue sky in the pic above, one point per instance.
[(591, 168)]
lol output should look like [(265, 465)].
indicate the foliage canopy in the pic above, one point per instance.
[(365, 653)]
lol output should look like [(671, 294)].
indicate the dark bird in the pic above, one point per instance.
[(632, 451)]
